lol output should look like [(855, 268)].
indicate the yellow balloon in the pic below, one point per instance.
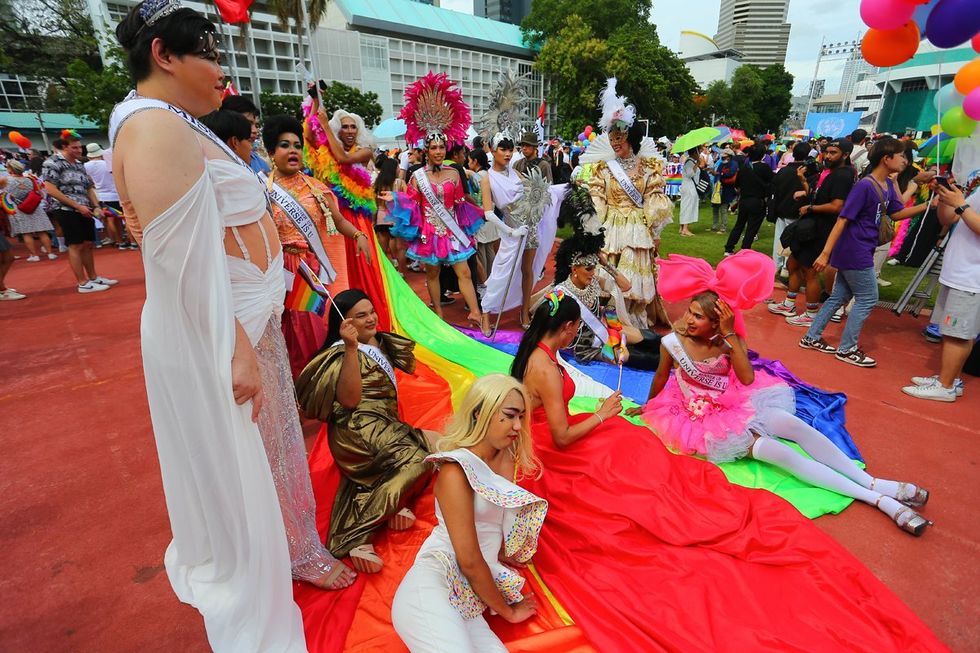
[(935, 129)]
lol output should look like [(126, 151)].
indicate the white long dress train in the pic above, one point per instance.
[(229, 557)]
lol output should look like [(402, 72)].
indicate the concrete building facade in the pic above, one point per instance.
[(706, 62), (756, 28)]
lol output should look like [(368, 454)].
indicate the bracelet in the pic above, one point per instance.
[(600, 417), (728, 335), (357, 234)]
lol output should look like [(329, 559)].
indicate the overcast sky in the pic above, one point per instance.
[(837, 20)]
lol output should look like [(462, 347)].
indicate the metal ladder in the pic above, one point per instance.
[(923, 284)]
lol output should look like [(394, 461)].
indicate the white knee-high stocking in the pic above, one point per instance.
[(819, 446), (817, 473)]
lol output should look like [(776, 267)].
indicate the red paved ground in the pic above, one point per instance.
[(83, 523)]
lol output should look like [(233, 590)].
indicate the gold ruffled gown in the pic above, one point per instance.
[(631, 232), (381, 458)]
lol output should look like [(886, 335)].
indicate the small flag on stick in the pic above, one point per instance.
[(307, 293)]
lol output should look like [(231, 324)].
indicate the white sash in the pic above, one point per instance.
[(375, 354), (301, 219), (447, 218), (677, 352), (590, 319), (133, 104), (625, 182)]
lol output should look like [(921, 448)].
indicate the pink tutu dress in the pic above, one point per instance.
[(711, 413), (430, 241)]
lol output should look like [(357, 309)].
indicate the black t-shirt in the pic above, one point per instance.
[(836, 186), (784, 185), (754, 180)]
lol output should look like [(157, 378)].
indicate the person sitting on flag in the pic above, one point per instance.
[(297, 199), (583, 271), (627, 187), (351, 386)]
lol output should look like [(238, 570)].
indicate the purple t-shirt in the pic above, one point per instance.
[(863, 210)]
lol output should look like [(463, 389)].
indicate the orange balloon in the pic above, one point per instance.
[(13, 135), (890, 47), (968, 78)]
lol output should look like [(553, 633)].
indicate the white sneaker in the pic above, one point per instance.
[(33, 259), (104, 282), (934, 379), (62, 248), (784, 273), (106, 241), (10, 295), (838, 315), (91, 286), (52, 257), (891, 261), (933, 391), (883, 282)]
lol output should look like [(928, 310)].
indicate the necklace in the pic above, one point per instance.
[(628, 162), (588, 295)]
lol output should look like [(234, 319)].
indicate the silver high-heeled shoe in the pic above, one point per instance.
[(908, 520), (919, 495)]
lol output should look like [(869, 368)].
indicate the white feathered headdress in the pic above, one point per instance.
[(616, 114), (507, 110)]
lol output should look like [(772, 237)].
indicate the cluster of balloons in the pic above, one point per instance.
[(897, 26), (583, 140), (19, 140)]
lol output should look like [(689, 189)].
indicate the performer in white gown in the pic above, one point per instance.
[(207, 305), (487, 525)]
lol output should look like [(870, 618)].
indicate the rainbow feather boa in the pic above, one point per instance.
[(350, 183)]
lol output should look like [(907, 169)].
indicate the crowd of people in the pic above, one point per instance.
[(259, 210)]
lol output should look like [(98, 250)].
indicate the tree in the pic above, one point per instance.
[(94, 92), (581, 47), (746, 96), (274, 105), (778, 98), (348, 98)]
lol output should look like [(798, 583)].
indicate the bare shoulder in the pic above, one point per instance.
[(451, 479), (144, 142)]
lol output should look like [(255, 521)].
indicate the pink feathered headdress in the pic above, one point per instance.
[(742, 280), (434, 106)]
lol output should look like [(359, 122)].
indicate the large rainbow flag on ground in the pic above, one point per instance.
[(358, 620)]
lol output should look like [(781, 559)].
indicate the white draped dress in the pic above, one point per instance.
[(229, 556)]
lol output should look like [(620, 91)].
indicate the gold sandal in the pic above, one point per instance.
[(365, 560)]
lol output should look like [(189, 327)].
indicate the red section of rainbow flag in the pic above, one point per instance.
[(307, 293)]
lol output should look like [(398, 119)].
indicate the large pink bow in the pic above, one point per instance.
[(742, 280)]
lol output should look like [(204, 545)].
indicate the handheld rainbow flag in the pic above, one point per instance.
[(229, 90), (307, 293), (112, 211), (615, 339)]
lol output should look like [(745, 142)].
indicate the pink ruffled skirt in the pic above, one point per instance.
[(722, 427)]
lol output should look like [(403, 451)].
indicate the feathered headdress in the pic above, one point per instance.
[(587, 240), (434, 108), (535, 199), (507, 109), (616, 114), (70, 133)]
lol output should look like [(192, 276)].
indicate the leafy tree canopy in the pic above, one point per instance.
[(348, 98), (757, 100), (274, 105), (94, 92), (581, 47)]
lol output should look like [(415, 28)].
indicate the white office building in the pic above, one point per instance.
[(372, 45), (756, 28)]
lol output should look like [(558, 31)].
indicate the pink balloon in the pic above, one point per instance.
[(886, 14), (971, 105)]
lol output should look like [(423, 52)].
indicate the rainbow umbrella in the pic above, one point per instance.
[(938, 149)]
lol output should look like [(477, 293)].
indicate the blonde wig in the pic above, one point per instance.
[(471, 422)]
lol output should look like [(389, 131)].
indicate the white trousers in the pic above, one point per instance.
[(777, 246), (427, 623)]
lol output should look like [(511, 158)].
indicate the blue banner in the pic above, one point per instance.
[(833, 124)]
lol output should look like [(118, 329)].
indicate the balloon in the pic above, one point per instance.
[(953, 22), (892, 46), (885, 14), (935, 129), (947, 97), (971, 105), (956, 123), (13, 135), (588, 130), (591, 137), (582, 136), (968, 77), (921, 14), (975, 42)]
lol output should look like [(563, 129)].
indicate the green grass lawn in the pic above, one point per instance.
[(711, 247)]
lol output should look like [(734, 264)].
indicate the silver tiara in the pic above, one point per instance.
[(153, 10)]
